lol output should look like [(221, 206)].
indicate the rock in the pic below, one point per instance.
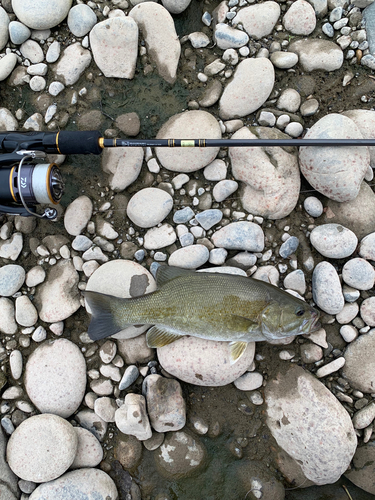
[(367, 247), (123, 165), (241, 235), (123, 278), (323, 454), (193, 124), (365, 121), (7, 64), (7, 322), (158, 29), (26, 313), (55, 377), (10, 249), (129, 377), (258, 20), (313, 206), (180, 455), (296, 281), (359, 274), (159, 237), (81, 483), (15, 362), (12, 278), (274, 189), (251, 86), (77, 215), (356, 214), (128, 451), (81, 20), (367, 311), (129, 124), (8, 486), (211, 94), (89, 450), (131, 418), (72, 64), (333, 241), (92, 422), (326, 288), (203, 362), (300, 18), (289, 100), (289, 247), (209, 218), (249, 381), (53, 52), (223, 189), (315, 54), (189, 257), (4, 26), (58, 297), (51, 442), (359, 368), (362, 474), (176, 6), (284, 60), (114, 45), (37, 83), (41, 14), (165, 403), (227, 37), (149, 206), (335, 172), (364, 417), (135, 350), (348, 313), (33, 51)]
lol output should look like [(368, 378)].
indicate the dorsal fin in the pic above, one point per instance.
[(168, 273)]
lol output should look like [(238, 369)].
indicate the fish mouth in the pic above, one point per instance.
[(315, 324)]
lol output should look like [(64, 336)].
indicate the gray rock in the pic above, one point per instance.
[(7, 64), (335, 172), (241, 235), (4, 26), (184, 215), (362, 472), (223, 189), (367, 247), (284, 60), (325, 454), (89, 420), (296, 281), (198, 39), (81, 483), (176, 6), (289, 247), (72, 64), (149, 206), (367, 311), (315, 54), (50, 440), (333, 241), (114, 44), (369, 19), (165, 403), (359, 274), (53, 52), (209, 218), (18, 32), (359, 368), (8, 480), (33, 51), (313, 206), (130, 376), (12, 278), (41, 15), (81, 20), (7, 322), (326, 288), (227, 37)]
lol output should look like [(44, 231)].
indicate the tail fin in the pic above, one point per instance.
[(103, 322)]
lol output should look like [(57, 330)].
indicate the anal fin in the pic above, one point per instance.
[(159, 337), (236, 350)]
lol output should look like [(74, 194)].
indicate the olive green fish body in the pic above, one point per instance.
[(206, 305)]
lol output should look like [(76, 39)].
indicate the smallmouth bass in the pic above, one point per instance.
[(211, 306)]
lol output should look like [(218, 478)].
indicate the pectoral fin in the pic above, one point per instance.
[(236, 350), (241, 324), (158, 337)]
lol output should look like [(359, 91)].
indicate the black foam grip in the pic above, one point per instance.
[(79, 142)]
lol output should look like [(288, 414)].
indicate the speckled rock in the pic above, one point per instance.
[(367, 311), (300, 18), (192, 125), (359, 274), (81, 483), (324, 454), (7, 64), (359, 368), (258, 77), (271, 178), (335, 172), (367, 247), (203, 362), (55, 377), (333, 241), (123, 278), (89, 450), (52, 443)]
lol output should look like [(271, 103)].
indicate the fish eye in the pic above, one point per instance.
[(300, 312)]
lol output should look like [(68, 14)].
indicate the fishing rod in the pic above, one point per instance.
[(25, 183)]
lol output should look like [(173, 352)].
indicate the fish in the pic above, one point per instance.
[(213, 306)]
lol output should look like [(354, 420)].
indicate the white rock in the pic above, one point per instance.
[(131, 418), (114, 45), (364, 417), (365, 121), (289, 100), (7, 122), (223, 189), (16, 364), (123, 165), (348, 333), (123, 278), (41, 14), (53, 52), (7, 64), (26, 313), (35, 276), (227, 37), (158, 29), (333, 241), (203, 362), (7, 322), (159, 237), (313, 206), (300, 18), (105, 407), (32, 50), (52, 443), (331, 367), (274, 189), (92, 483), (367, 311), (89, 450), (335, 172), (249, 381), (10, 249), (37, 83), (323, 455), (359, 274), (258, 20), (189, 257), (315, 54), (81, 20), (193, 124), (12, 278), (176, 6), (326, 288), (348, 313), (284, 60), (149, 206), (55, 377), (241, 235), (251, 86), (77, 215), (89, 420), (4, 26), (74, 61)]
